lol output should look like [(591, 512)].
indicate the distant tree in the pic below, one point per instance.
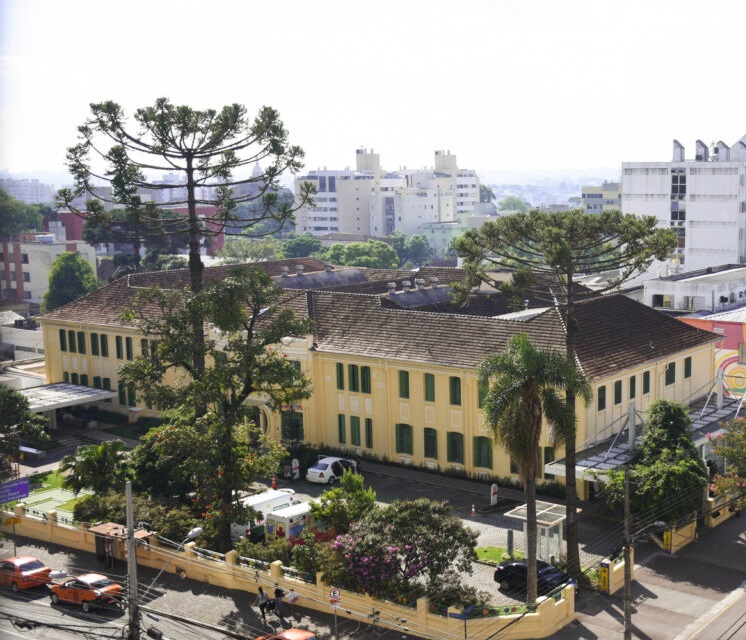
[(341, 506), (526, 386), (486, 194), (731, 447), (158, 261), (549, 250), (301, 246), (99, 467), (17, 216), (668, 475), (17, 424), (372, 254), (239, 250), (412, 250), (70, 278), (514, 203)]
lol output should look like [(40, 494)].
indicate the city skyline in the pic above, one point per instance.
[(577, 87)]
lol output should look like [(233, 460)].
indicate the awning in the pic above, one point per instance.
[(49, 397)]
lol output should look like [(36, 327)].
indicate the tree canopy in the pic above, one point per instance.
[(17, 216), (100, 467), (514, 203), (547, 252), (730, 446), (221, 450), (70, 278), (373, 254), (17, 424), (301, 246)]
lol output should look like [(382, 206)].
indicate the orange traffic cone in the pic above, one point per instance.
[(473, 510), (274, 482)]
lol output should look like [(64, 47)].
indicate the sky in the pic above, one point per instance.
[(506, 85)]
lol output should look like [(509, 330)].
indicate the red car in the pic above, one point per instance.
[(88, 590), (23, 572)]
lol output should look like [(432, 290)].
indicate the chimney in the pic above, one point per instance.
[(420, 282), (284, 271), (328, 266), (406, 285), (434, 282), (298, 269), (391, 286)]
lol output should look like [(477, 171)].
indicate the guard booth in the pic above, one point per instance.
[(117, 533), (550, 541)]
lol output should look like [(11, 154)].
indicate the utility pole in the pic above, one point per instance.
[(133, 632), (627, 562)]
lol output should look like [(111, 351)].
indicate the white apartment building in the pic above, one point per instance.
[(702, 199), (372, 202)]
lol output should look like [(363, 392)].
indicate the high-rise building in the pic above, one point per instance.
[(703, 199), (369, 201)]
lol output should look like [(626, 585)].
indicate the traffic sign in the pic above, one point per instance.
[(14, 490)]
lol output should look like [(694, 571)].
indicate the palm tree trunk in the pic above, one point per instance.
[(531, 539)]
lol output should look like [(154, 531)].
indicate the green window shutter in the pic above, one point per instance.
[(122, 395), (482, 452), (107, 383), (632, 387), (601, 398), (671, 373), (548, 457), (355, 431), (63, 340), (429, 387), (104, 340), (74, 378), (120, 351), (365, 379), (404, 438), (369, 433), (131, 396), (143, 347), (71, 341), (431, 443), (65, 376), (353, 377), (455, 390), (84, 379), (94, 344), (618, 392), (291, 425), (646, 383), (340, 376), (484, 389), (81, 342), (688, 367), (514, 467), (404, 384), (97, 382), (128, 348), (455, 451), (341, 429)]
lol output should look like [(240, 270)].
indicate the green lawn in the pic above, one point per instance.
[(41, 481), (495, 555)]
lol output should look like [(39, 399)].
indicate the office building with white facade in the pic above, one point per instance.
[(371, 202), (703, 199)]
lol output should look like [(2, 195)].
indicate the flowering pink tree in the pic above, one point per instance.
[(407, 542)]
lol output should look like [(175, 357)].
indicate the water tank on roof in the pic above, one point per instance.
[(45, 238)]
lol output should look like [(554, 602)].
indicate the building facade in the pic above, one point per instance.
[(25, 265), (607, 197), (376, 203), (702, 199), (394, 363)]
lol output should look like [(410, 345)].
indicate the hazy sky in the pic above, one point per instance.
[(503, 84)]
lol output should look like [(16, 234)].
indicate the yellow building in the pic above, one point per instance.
[(394, 362)]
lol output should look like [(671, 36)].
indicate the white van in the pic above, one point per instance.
[(263, 503)]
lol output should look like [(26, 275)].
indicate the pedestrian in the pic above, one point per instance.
[(279, 595), (109, 552), (292, 599), (261, 601)]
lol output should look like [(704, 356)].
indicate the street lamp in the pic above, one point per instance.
[(193, 533)]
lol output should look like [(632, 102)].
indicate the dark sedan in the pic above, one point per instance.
[(512, 575)]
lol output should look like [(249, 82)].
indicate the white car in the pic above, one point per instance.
[(330, 469)]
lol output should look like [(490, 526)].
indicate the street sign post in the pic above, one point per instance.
[(14, 490), (335, 596)]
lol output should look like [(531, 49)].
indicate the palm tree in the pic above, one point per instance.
[(100, 467), (527, 385)]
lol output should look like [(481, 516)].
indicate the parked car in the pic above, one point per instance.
[(290, 634), (513, 575), (330, 469), (23, 572), (88, 590)]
